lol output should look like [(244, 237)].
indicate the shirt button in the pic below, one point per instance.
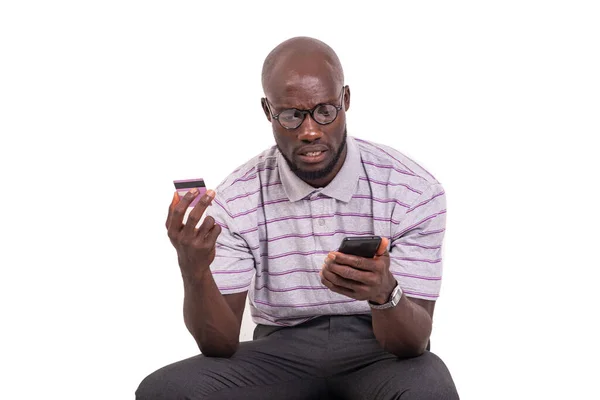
[(321, 222)]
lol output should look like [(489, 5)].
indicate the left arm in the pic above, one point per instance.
[(403, 330), (417, 261)]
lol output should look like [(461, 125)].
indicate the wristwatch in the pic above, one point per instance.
[(392, 302)]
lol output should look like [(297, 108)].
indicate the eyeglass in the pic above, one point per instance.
[(322, 114)]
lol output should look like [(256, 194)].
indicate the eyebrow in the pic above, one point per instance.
[(333, 102)]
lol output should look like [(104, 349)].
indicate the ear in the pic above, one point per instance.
[(265, 108), (346, 97)]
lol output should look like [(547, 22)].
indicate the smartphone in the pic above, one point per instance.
[(362, 246), (185, 185)]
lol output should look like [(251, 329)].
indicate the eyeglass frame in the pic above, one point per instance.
[(305, 111)]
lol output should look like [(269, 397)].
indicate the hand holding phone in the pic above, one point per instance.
[(362, 246), (359, 273)]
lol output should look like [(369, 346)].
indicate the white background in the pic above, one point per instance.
[(103, 104)]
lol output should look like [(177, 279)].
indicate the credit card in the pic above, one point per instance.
[(185, 185)]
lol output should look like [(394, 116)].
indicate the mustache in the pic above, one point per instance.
[(315, 175)]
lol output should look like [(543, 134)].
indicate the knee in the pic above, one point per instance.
[(162, 385), (441, 390), (152, 387)]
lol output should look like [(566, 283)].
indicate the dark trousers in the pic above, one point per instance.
[(334, 357)]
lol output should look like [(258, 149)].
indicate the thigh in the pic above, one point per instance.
[(281, 365), (421, 378)]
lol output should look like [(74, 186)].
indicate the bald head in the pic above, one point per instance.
[(301, 57)]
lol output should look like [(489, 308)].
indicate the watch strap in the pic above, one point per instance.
[(392, 302)]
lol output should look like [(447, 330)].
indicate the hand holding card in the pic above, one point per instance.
[(194, 240)]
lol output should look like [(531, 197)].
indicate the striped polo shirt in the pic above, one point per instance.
[(277, 230)]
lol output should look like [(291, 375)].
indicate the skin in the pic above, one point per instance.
[(299, 73), (302, 82)]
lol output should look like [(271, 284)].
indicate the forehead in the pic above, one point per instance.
[(295, 90)]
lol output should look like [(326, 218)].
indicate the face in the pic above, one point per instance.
[(314, 152)]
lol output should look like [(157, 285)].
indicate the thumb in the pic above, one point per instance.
[(382, 247)]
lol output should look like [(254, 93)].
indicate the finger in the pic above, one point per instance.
[(337, 289), (171, 207), (206, 226), (180, 208), (365, 264), (212, 235), (383, 247), (351, 274), (340, 281), (198, 211)]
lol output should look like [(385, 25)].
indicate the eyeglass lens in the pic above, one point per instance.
[(323, 114)]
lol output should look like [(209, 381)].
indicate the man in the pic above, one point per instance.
[(329, 325)]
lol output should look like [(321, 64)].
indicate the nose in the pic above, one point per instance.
[(309, 130)]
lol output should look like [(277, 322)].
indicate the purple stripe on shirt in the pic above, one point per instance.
[(366, 196), (221, 246), (308, 217), (393, 221), (427, 278), (416, 259), (233, 271), (417, 245), (261, 167), (249, 230), (364, 178), (239, 196), (266, 203), (306, 235), (217, 202), (433, 296), (250, 171), (303, 304), (243, 179), (388, 167), (254, 171), (426, 201), (417, 224), (295, 253), (271, 184), (432, 232), (290, 271), (222, 225), (291, 289)]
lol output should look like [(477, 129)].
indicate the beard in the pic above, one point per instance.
[(319, 174)]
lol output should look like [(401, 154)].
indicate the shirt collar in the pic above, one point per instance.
[(342, 187)]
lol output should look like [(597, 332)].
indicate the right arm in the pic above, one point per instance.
[(214, 320)]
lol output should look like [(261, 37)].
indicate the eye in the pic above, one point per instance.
[(326, 111), (290, 115)]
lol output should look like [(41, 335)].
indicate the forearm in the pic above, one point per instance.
[(403, 330), (209, 318)]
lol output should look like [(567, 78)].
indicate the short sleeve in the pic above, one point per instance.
[(233, 266), (416, 244)]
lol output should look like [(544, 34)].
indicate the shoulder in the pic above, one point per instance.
[(248, 176), (388, 163)]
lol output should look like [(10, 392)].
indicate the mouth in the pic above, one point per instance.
[(312, 157)]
